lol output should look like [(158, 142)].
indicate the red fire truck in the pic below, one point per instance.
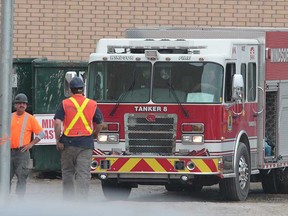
[(187, 108)]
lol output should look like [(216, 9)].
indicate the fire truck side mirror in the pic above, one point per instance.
[(237, 87), (68, 77)]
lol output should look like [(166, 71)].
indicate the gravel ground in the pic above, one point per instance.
[(44, 197)]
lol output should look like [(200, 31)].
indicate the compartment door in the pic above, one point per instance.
[(283, 119)]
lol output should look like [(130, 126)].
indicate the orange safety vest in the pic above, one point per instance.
[(79, 112), (22, 127)]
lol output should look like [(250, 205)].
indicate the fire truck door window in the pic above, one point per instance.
[(252, 88), (230, 71), (243, 72)]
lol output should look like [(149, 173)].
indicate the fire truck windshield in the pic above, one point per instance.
[(163, 82)]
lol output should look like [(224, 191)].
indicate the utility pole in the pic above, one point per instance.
[(6, 62)]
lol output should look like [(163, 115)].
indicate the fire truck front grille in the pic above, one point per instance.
[(150, 133)]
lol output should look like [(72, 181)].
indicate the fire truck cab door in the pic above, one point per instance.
[(282, 120)]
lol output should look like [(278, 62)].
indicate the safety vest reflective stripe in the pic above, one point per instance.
[(79, 115), (23, 130)]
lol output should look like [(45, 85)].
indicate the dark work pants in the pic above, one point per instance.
[(19, 166), (75, 165)]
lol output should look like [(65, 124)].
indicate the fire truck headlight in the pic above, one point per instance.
[(192, 139), (186, 139), (113, 138), (108, 138), (197, 139), (102, 138)]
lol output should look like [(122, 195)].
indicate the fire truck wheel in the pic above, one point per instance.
[(237, 188), (268, 180), (115, 191), (282, 180)]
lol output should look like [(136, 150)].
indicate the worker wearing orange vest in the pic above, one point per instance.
[(23, 125), (78, 115)]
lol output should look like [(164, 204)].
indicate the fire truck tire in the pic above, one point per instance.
[(237, 188), (269, 182), (282, 180), (115, 191)]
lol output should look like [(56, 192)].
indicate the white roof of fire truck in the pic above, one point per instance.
[(205, 47)]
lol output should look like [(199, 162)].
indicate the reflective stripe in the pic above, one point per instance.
[(79, 115), (23, 130)]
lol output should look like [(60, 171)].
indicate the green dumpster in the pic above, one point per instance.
[(47, 93), (22, 79)]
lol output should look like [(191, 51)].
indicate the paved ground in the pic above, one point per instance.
[(44, 197)]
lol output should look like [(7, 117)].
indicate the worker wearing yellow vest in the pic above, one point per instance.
[(23, 125), (78, 115)]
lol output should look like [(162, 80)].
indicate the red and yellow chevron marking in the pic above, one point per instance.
[(207, 165)]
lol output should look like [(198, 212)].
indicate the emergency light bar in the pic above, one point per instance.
[(164, 44), (160, 44), (140, 46)]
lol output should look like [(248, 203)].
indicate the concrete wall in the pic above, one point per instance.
[(69, 29)]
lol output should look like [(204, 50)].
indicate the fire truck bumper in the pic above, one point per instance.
[(141, 167)]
